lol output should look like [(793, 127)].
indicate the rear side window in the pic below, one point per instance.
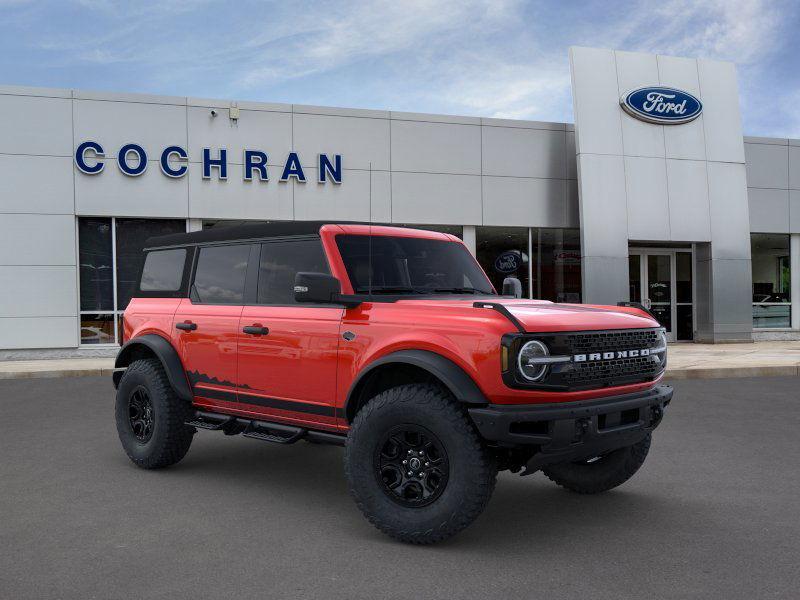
[(220, 274), (163, 270), (280, 262)]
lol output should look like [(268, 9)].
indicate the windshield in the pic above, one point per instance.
[(408, 265)]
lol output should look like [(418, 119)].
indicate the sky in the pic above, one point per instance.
[(498, 58)]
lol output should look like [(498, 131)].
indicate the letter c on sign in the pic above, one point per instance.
[(166, 168), (80, 158), (122, 160)]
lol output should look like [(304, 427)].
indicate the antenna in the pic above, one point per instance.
[(369, 243)]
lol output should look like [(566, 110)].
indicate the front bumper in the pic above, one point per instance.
[(573, 430)]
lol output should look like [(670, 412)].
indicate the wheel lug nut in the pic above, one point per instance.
[(409, 451), (410, 473), (427, 464), (405, 462)]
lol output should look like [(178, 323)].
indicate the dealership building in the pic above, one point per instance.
[(653, 195)]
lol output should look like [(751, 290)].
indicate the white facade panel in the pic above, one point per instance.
[(636, 70), (794, 211), (38, 291), (360, 141), (351, 202), (114, 124), (152, 194), (35, 125), (573, 205), (769, 210), (27, 239), (686, 141), (722, 120), (525, 202), (599, 203), (269, 132), (794, 167), (36, 184), (519, 152), (730, 227), (237, 199), (687, 185), (597, 120), (569, 154), (419, 146), (767, 166), (648, 204), (436, 198), (38, 332)]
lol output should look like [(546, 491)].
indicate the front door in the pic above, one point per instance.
[(662, 281), (288, 351), (206, 325)]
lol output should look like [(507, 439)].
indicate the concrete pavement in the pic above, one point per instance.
[(686, 361), (713, 513)]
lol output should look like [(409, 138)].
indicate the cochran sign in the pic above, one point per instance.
[(663, 105), (132, 161)]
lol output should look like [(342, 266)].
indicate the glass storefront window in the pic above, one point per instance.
[(110, 252), (771, 280), (96, 264), (504, 252), (131, 235), (556, 264)]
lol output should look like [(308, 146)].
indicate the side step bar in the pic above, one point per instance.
[(277, 433)]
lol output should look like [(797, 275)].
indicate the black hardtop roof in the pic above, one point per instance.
[(248, 231)]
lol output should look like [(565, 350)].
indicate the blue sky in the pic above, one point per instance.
[(502, 58)]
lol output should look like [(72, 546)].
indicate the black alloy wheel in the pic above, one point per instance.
[(140, 414), (411, 465)]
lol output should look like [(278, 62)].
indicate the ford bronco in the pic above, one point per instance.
[(393, 343)]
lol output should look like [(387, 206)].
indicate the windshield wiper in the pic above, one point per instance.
[(390, 289), (459, 290)]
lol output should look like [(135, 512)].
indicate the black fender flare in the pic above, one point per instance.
[(461, 385), (168, 356)]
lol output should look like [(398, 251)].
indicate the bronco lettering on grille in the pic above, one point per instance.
[(610, 355)]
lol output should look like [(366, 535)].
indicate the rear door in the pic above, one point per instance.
[(205, 326), (288, 351)]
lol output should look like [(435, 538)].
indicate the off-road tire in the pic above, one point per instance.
[(472, 470), (170, 437), (605, 473)]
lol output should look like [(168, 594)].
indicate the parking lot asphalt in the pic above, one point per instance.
[(714, 513)]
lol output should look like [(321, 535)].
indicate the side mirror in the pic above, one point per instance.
[(512, 287), (319, 288)]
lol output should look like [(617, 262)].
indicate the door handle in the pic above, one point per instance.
[(255, 330), (186, 326)]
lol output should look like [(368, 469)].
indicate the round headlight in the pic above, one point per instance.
[(528, 360)]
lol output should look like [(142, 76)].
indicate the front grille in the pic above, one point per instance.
[(602, 372), (593, 374), (607, 341)]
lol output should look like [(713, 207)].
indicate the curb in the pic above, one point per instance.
[(55, 373), (733, 372), (674, 374)]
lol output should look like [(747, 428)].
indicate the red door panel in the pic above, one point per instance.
[(208, 350), (289, 373)]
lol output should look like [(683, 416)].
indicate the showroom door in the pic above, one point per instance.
[(662, 281)]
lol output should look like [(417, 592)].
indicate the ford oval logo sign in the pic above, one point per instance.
[(508, 262), (662, 105)]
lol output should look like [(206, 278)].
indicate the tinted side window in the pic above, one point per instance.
[(280, 262), (163, 270), (220, 274)]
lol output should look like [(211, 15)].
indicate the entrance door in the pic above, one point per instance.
[(662, 281)]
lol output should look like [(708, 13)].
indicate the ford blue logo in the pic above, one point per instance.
[(663, 105), (508, 262)]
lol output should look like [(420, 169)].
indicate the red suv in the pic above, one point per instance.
[(393, 343)]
